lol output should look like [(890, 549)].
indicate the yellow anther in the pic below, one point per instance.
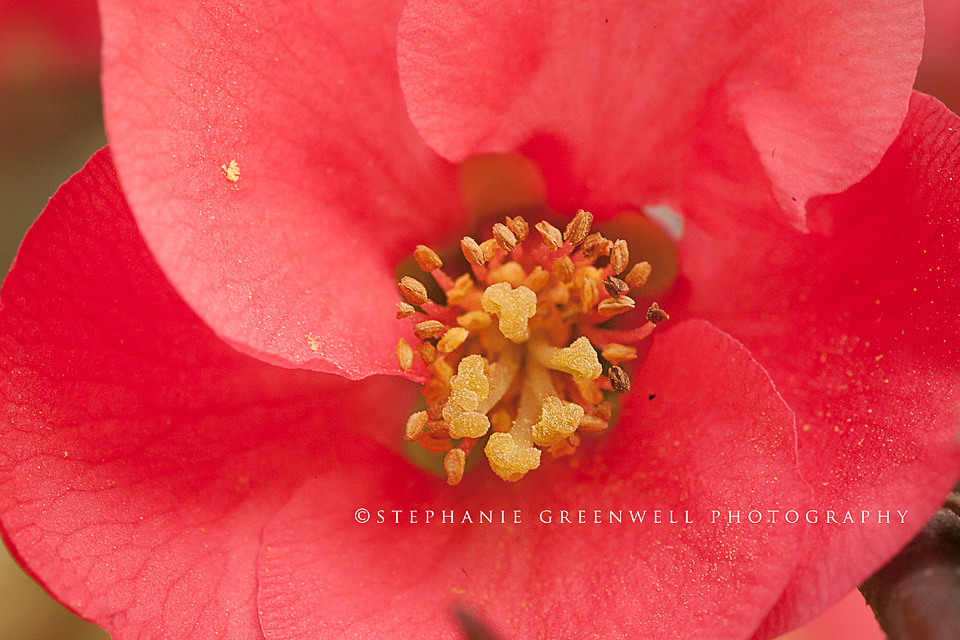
[(617, 353), (507, 459), (514, 307), (558, 420), (468, 388), (474, 320), (452, 339), (510, 272), (579, 360), (404, 355)]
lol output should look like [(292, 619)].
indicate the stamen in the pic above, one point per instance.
[(613, 306), (504, 237), (619, 257), (563, 268), (413, 290), (415, 426), (454, 464), (617, 353), (656, 315), (550, 234), (429, 329), (513, 382), (404, 355), (514, 307), (619, 380), (475, 320), (472, 251), (452, 339), (638, 275), (519, 227), (427, 258), (579, 228), (615, 286)]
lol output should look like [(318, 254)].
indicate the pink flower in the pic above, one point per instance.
[(194, 392)]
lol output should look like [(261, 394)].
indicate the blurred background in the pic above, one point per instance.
[(51, 122)]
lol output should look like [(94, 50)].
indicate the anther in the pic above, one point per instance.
[(550, 234), (504, 237), (415, 426), (427, 258), (404, 310), (563, 268), (454, 463), (657, 315), (619, 256), (404, 355), (579, 228), (519, 227), (452, 339), (613, 306), (489, 249), (429, 329), (638, 275), (475, 320), (471, 251), (592, 424), (616, 353), (619, 380), (595, 245), (615, 286), (412, 290)]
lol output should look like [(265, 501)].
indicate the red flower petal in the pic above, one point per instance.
[(292, 262), (704, 429), (857, 323), (645, 101), (141, 456)]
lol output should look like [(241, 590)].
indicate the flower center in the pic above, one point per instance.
[(514, 356)]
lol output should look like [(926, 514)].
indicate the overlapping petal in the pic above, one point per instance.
[(141, 456), (704, 429), (640, 102), (858, 323), (288, 254)]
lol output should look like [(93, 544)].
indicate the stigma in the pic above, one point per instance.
[(517, 359)]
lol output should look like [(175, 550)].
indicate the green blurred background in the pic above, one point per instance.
[(50, 123)]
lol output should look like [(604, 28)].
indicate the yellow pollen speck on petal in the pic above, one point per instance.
[(313, 342), (468, 388), (558, 420), (579, 360), (508, 460), (232, 171), (514, 307)]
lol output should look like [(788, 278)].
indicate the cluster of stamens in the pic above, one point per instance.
[(513, 354)]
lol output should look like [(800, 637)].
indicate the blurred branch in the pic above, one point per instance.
[(916, 596)]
